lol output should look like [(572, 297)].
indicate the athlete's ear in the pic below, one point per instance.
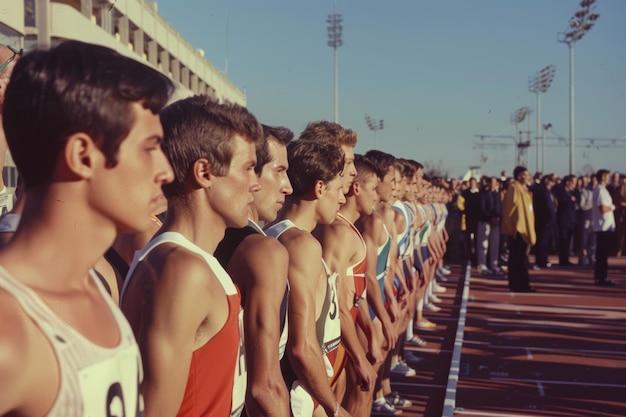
[(356, 188), (79, 156), (202, 175), (319, 188)]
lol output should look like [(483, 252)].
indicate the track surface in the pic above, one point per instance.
[(560, 352)]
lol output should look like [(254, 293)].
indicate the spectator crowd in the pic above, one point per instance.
[(576, 218)]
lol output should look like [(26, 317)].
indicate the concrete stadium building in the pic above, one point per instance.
[(131, 27)]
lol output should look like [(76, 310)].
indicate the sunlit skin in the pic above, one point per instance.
[(341, 248), (274, 184), (308, 286), (258, 267), (387, 187), (234, 192), (174, 300), (333, 197), (71, 223), (349, 170)]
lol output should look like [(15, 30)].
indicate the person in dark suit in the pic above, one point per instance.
[(565, 216), (472, 209), (488, 232), (545, 216)]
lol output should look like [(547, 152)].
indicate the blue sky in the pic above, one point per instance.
[(437, 72)]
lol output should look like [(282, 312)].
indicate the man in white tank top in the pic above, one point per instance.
[(83, 128), (314, 329), (183, 306)]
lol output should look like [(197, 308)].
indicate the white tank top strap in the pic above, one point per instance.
[(179, 239)]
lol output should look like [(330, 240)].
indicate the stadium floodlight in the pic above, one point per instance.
[(374, 125), (335, 30), (517, 117)]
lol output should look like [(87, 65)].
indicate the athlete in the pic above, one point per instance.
[(258, 265), (183, 306), (314, 328), (83, 128)]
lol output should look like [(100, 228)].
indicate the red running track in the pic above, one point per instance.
[(560, 352)]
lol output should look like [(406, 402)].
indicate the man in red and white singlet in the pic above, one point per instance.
[(182, 305)]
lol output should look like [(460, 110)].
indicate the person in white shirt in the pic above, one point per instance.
[(603, 224)]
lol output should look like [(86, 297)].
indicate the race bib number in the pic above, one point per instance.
[(111, 388)]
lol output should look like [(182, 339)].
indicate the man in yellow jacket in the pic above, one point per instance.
[(518, 222)]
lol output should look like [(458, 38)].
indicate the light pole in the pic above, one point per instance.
[(374, 125), (518, 117), (582, 21), (539, 84), (543, 144), (334, 41)]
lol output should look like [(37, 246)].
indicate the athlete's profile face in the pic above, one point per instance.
[(397, 191), (331, 199), (274, 182), (349, 170), (232, 194), (386, 186), (367, 196), (136, 179)]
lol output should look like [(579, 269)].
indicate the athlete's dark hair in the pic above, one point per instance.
[(75, 87), (278, 133), (364, 167), (199, 127), (407, 169), (382, 160), (416, 165), (311, 161)]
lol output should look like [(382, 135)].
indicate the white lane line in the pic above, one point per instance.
[(572, 383), (536, 324), (529, 354), (449, 402), (542, 393), (426, 350), (487, 414)]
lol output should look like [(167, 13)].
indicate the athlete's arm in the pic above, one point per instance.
[(260, 265), (338, 246), (29, 382), (364, 321), (391, 271), (306, 276), (372, 233), (181, 292)]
